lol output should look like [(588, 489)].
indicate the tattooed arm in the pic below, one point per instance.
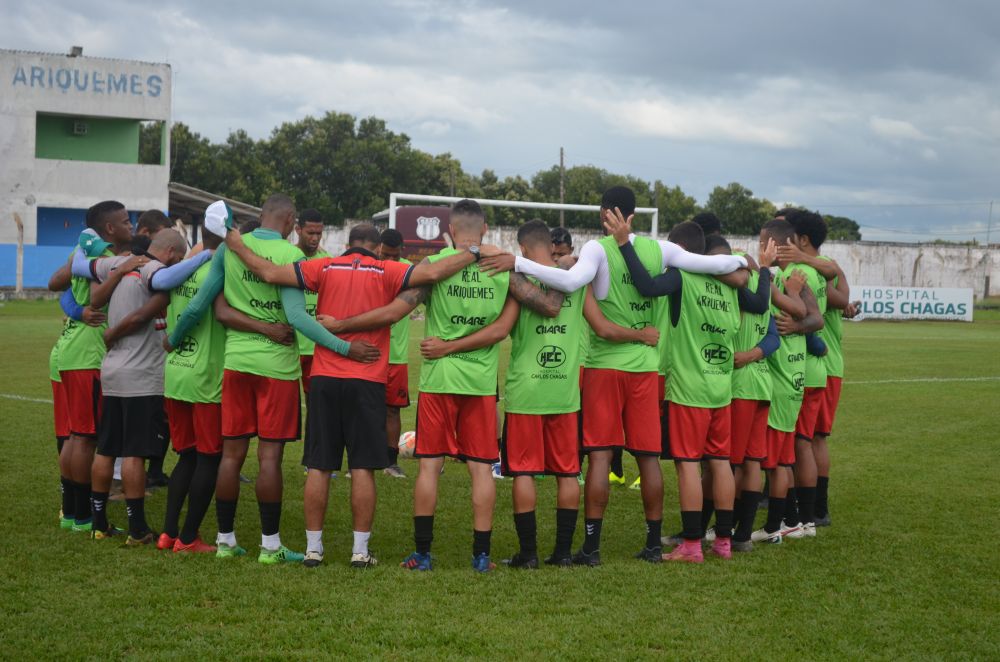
[(547, 302)]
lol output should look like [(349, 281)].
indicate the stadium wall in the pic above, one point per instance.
[(864, 262)]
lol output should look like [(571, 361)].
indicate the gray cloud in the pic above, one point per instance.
[(879, 111)]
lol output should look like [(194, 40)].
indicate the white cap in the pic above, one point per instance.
[(218, 218)]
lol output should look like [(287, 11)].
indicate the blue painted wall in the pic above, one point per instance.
[(39, 263)]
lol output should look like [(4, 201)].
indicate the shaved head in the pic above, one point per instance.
[(168, 238), (278, 213)]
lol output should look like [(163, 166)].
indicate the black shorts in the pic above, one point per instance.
[(132, 427), (345, 414)]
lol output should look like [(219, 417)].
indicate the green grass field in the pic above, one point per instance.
[(908, 570)]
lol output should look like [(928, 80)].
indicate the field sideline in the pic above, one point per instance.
[(908, 570)]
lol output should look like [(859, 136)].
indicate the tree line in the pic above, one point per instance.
[(346, 168)]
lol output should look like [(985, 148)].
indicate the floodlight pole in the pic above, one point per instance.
[(395, 198)]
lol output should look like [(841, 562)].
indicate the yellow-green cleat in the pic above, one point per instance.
[(280, 555), (224, 551)]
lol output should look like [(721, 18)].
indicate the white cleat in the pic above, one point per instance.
[(768, 538)]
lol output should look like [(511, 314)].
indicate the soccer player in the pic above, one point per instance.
[(791, 298), (309, 228), (815, 380), (620, 382), (151, 222), (812, 230), (397, 386), (193, 393), (132, 423), (260, 384), (704, 318), (81, 351), (562, 243), (347, 399)]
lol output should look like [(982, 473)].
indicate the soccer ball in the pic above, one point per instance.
[(407, 441)]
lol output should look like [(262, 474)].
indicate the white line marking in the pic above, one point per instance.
[(925, 380), (11, 396)]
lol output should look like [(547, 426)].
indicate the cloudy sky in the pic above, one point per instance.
[(886, 112)]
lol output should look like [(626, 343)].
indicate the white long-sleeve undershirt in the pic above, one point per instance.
[(592, 267)]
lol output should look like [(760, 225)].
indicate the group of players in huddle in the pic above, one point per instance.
[(672, 349)]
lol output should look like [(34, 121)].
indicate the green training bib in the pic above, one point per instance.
[(81, 346), (544, 371), (308, 347), (833, 334), (787, 367), (193, 371), (815, 365), (752, 381), (399, 337), (458, 306)]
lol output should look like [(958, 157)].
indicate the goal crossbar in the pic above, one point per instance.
[(395, 198)]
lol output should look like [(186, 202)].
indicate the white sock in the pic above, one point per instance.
[(361, 542), (226, 538), (314, 541), (271, 543)]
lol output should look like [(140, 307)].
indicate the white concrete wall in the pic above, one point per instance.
[(864, 263), (36, 82)]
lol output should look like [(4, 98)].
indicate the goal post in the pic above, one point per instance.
[(395, 198)]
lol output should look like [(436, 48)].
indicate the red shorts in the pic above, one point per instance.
[(264, 407), (812, 400), (620, 409), (397, 386), (780, 449), (828, 410), (749, 430), (540, 444), (698, 433), (462, 426), (196, 425), (60, 410), (306, 362), (83, 400)]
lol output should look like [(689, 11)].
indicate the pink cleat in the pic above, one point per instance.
[(688, 551), (722, 547)]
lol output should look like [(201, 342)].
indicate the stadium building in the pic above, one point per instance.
[(75, 130)]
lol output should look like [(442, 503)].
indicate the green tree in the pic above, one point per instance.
[(842, 228), (675, 205), (738, 209)]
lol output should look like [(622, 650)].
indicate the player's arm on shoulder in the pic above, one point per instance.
[(275, 274), (757, 302), (428, 273), (61, 278), (566, 280), (491, 334), (544, 302), (137, 318), (790, 302), (383, 316), (675, 256), (608, 330), (106, 278), (736, 279), (813, 320), (649, 286), (170, 277), (838, 291), (293, 300)]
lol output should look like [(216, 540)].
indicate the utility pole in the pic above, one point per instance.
[(562, 187), (989, 262), (452, 173)]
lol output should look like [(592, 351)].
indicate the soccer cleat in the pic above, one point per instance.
[(560, 561), (688, 551), (82, 527), (809, 530), (497, 471), (166, 541), (709, 535), (615, 479), (637, 485), (196, 546), (111, 532), (650, 554), (482, 563), (767, 537), (312, 559), (280, 555), (742, 546), (794, 532), (244, 479), (417, 561), (722, 548), (224, 551), (824, 520), (522, 562), (348, 474), (153, 482), (762, 504), (672, 541), (363, 560), (395, 471), (580, 480), (148, 538), (66, 523), (592, 560)]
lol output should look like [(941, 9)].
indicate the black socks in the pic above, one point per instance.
[(199, 495), (565, 527), (423, 533), (707, 508), (775, 511), (270, 517), (136, 509), (177, 490), (225, 513), (691, 525), (527, 533), (653, 529), (592, 534), (99, 504), (393, 455), (807, 504), (82, 509), (745, 514), (723, 524), (481, 542), (68, 498), (822, 503)]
